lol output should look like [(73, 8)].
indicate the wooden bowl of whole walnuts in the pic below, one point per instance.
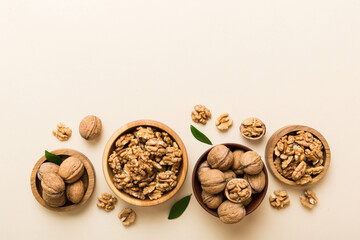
[(229, 181), (298, 155), (145, 163), (64, 187)]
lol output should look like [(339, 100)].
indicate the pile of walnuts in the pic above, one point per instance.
[(238, 174), (145, 163), (299, 157)]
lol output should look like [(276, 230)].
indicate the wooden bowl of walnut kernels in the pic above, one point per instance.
[(110, 148), (291, 130)]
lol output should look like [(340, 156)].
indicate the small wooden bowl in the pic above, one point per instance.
[(270, 146), (242, 128), (110, 147), (256, 198), (88, 179)]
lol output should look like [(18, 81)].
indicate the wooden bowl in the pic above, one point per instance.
[(110, 147), (251, 138), (88, 179), (270, 146), (256, 198)]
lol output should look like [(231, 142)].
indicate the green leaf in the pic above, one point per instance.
[(53, 158), (199, 135), (179, 207)]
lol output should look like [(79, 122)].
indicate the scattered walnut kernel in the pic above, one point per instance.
[(127, 216), (299, 157), (252, 128), (224, 122), (279, 199), (145, 163), (62, 133), (201, 114), (107, 202), (309, 199)]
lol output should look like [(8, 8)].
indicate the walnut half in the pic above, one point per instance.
[(279, 199), (127, 216), (309, 199)]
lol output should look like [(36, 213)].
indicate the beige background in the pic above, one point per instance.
[(284, 61)]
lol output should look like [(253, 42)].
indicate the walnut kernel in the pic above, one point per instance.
[(279, 199), (62, 133), (224, 122), (309, 199), (201, 114)]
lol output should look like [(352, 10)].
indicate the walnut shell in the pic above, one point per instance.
[(52, 184), (71, 169), (47, 167), (238, 190), (230, 212), (75, 191), (229, 174), (54, 200), (257, 182), (210, 200), (237, 167), (213, 181), (220, 157), (203, 167), (90, 127), (251, 163)]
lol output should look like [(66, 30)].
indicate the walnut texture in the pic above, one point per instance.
[(251, 163), (224, 122), (252, 128), (299, 157), (107, 202), (127, 216), (62, 133), (200, 114), (145, 163), (238, 190), (309, 199), (75, 191), (237, 167), (213, 181), (90, 127), (46, 168), (257, 182), (212, 201), (279, 199)]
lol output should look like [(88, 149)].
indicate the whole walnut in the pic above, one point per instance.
[(210, 200), (257, 182), (251, 163), (90, 127), (203, 167), (220, 157), (213, 181), (230, 212), (229, 174), (237, 167), (53, 189), (71, 169), (75, 191), (47, 167)]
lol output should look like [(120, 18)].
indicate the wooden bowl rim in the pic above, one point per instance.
[(91, 179), (124, 196), (213, 212), (252, 138), (286, 130)]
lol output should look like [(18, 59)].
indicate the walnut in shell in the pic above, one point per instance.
[(75, 191), (46, 168), (230, 212), (90, 127), (53, 188), (257, 182), (203, 167), (237, 167), (229, 174), (213, 181), (54, 200), (210, 200), (220, 157), (251, 163), (238, 190), (71, 169)]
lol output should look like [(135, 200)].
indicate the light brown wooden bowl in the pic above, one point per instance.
[(256, 198), (252, 138), (270, 146), (110, 147), (88, 179)]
